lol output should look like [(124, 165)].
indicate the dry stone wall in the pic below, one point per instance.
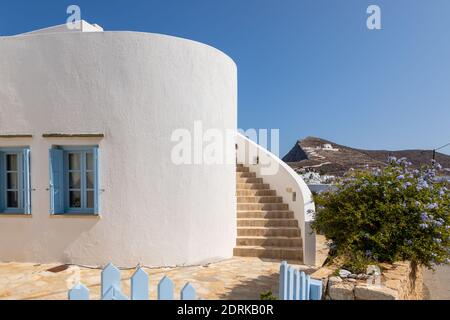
[(399, 281)]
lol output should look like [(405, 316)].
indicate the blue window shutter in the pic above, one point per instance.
[(2, 182), (96, 186), (56, 181), (26, 181)]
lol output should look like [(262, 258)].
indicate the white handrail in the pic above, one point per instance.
[(287, 183)]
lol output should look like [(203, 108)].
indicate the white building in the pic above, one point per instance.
[(86, 119)]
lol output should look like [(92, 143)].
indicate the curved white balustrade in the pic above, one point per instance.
[(288, 185)]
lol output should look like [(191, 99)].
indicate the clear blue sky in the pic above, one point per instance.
[(307, 67)]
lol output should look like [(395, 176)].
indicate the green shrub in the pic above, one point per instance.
[(355, 262), (387, 215), (267, 296)]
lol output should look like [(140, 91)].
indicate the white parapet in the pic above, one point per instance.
[(83, 26)]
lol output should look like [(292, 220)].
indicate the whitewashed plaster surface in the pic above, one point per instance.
[(136, 88)]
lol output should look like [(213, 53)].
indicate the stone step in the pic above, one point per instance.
[(252, 186), (240, 165), (249, 180), (255, 192), (245, 175), (269, 242), (267, 223), (262, 206), (278, 253), (266, 227), (259, 199), (291, 232), (242, 169), (264, 214)]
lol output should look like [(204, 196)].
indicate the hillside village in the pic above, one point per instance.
[(319, 161)]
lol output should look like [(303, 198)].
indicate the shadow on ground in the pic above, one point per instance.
[(251, 289)]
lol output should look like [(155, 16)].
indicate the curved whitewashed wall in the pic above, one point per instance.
[(285, 181), (136, 88)]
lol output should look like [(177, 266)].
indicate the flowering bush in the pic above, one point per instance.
[(387, 215)]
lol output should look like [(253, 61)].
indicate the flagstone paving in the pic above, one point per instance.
[(237, 278), (437, 283)]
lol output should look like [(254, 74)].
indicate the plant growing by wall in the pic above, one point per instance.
[(267, 296), (386, 215)]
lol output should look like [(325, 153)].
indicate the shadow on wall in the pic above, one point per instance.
[(67, 234), (63, 236)]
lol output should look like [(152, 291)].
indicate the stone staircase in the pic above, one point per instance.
[(266, 227)]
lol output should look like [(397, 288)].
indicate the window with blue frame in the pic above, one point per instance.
[(74, 180), (15, 183)]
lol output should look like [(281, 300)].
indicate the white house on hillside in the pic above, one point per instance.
[(86, 119)]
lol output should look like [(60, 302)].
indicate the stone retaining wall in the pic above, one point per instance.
[(399, 281)]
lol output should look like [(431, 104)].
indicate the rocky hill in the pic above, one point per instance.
[(326, 157)]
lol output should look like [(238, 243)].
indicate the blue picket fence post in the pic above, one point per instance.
[(302, 293), (188, 292), (110, 284), (315, 292), (283, 281), (290, 283), (79, 292), (139, 285), (308, 287), (296, 285), (165, 289), (114, 293), (111, 289)]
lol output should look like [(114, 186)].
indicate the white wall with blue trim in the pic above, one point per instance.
[(136, 88)]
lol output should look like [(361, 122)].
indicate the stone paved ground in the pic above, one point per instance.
[(437, 283), (237, 278)]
